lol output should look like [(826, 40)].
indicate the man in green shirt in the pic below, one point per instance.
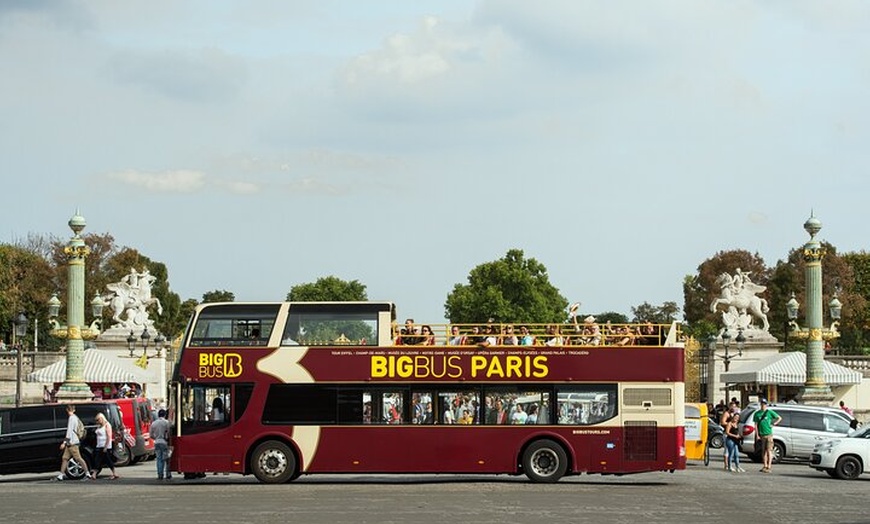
[(764, 420)]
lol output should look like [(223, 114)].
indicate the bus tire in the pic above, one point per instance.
[(545, 461), (273, 462)]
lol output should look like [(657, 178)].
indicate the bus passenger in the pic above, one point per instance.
[(217, 410), (526, 338), (466, 418), (532, 418), (426, 336), (456, 338), (410, 335), (508, 338), (519, 416), (553, 336)]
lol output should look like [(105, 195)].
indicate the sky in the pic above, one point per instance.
[(255, 145)]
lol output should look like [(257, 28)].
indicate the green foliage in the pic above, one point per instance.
[(218, 295), (663, 314), (26, 284), (609, 316), (328, 289), (512, 289)]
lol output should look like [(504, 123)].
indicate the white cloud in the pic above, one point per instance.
[(239, 187), (180, 181)]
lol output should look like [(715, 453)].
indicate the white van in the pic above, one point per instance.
[(800, 429)]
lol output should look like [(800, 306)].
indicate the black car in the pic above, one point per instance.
[(30, 437), (715, 433)]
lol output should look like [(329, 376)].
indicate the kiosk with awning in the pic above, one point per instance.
[(99, 371), (786, 370)]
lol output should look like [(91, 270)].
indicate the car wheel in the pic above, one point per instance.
[(831, 472), (848, 468), (76, 471), (545, 461), (273, 462), (123, 454), (717, 442), (777, 453)]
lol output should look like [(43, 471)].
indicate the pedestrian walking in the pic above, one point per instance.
[(765, 419), (103, 455), (75, 430), (160, 433), (732, 443)]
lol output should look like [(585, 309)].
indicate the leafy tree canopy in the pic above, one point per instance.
[(218, 295), (663, 314), (328, 289), (511, 289)]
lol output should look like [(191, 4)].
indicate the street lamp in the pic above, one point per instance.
[(727, 357), (146, 337), (131, 343), (158, 344), (815, 390), (19, 329)]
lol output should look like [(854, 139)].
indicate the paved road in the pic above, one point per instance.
[(792, 494)]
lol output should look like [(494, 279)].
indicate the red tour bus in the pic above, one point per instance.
[(279, 390)]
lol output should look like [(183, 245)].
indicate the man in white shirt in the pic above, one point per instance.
[(71, 443)]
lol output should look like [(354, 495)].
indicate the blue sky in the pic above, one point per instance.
[(252, 146)]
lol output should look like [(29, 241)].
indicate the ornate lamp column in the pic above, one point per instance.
[(815, 390), (74, 387)]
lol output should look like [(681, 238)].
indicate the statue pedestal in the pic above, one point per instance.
[(74, 392), (816, 396)]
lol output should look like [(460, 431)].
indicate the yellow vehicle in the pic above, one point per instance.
[(696, 432)]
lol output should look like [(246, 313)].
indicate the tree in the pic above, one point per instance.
[(328, 289), (511, 289), (218, 296), (664, 314), (26, 281)]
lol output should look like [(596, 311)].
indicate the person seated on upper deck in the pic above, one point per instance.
[(526, 338), (553, 336), (492, 337), (476, 337), (427, 336), (649, 335), (456, 337), (589, 333), (508, 338), (410, 336)]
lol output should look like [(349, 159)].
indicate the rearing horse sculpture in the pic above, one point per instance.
[(739, 297)]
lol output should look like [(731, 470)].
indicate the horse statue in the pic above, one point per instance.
[(130, 298), (738, 295)]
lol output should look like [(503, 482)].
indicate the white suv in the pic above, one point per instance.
[(844, 458), (801, 428)]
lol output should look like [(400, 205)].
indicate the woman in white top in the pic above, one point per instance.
[(103, 453), (217, 410)]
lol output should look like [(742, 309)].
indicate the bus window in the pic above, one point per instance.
[(205, 407), (422, 411), (310, 328), (458, 407), (393, 407), (234, 325), (586, 404), (511, 406)]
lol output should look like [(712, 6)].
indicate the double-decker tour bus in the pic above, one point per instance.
[(284, 389)]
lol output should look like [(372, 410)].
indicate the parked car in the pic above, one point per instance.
[(715, 433), (136, 414), (30, 437), (845, 457), (799, 431)]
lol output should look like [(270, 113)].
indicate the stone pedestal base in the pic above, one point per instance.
[(74, 392), (816, 396)]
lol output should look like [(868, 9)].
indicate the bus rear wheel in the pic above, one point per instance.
[(545, 461), (273, 462)]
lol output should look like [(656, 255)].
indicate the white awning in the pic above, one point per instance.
[(98, 368), (789, 369)]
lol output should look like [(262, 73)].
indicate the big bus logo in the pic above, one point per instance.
[(220, 365)]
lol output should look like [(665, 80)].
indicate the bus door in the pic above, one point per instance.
[(206, 410)]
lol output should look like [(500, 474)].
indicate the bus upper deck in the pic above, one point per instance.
[(374, 324)]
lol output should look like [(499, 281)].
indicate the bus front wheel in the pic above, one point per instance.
[(545, 461), (273, 462)]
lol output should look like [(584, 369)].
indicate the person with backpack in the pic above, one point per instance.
[(75, 431)]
